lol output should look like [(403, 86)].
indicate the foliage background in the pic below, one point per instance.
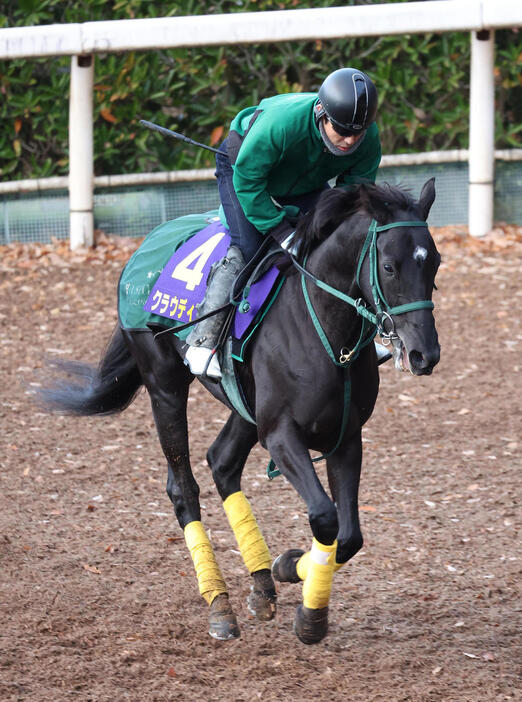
[(423, 83)]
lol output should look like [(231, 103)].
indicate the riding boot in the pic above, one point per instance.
[(201, 355)]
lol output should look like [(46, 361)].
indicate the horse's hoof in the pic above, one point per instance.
[(311, 625), (284, 568), (222, 620), (262, 599)]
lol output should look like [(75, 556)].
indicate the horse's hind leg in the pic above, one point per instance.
[(167, 380), (227, 457)]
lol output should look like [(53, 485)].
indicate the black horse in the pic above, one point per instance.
[(367, 263)]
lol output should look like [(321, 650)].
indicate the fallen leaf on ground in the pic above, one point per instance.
[(91, 569)]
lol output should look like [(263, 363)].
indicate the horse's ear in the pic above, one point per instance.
[(427, 197)]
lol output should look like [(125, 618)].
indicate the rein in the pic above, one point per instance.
[(371, 322)]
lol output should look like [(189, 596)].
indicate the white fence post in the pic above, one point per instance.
[(481, 133), (81, 177)]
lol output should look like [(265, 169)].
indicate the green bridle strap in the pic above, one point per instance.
[(370, 248), (410, 306), (362, 311), (320, 331), (371, 237), (370, 323)]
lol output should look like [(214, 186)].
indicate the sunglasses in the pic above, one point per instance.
[(347, 129)]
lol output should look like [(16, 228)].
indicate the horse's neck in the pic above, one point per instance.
[(335, 262)]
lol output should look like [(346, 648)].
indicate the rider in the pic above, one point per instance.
[(283, 152)]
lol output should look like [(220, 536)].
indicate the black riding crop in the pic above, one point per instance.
[(177, 135)]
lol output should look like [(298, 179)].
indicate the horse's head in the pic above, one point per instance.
[(403, 274), (390, 260)]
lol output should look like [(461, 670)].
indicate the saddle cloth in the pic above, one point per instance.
[(166, 277), (165, 280)]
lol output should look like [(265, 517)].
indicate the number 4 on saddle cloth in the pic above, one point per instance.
[(161, 288)]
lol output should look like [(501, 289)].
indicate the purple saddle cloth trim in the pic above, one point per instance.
[(259, 292)]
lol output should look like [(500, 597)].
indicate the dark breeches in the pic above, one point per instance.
[(242, 233)]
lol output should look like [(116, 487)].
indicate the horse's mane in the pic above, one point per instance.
[(336, 205)]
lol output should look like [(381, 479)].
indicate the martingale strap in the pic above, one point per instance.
[(371, 322)]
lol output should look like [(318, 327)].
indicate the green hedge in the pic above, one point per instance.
[(423, 83)]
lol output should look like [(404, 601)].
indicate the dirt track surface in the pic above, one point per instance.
[(98, 599)]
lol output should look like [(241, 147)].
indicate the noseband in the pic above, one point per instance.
[(373, 322)]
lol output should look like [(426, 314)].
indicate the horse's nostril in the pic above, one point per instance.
[(417, 360)]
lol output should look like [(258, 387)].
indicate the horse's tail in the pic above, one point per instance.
[(106, 389)]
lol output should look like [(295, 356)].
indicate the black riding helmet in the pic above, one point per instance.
[(349, 100)]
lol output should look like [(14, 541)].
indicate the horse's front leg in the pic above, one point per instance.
[(293, 460), (344, 469), (227, 457), (168, 380)]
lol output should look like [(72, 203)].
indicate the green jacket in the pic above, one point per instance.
[(283, 154)]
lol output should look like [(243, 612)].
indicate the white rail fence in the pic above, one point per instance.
[(202, 174), (83, 41)]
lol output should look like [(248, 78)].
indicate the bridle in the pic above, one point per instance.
[(372, 322)]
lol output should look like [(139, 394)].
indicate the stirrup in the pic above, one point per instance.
[(203, 361)]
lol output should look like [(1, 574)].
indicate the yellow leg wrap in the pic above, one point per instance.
[(249, 538), (318, 582), (210, 580), (302, 565)]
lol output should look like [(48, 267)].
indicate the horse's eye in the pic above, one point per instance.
[(388, 268)]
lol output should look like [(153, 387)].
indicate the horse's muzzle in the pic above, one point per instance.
[(423, 363), (416, 346)]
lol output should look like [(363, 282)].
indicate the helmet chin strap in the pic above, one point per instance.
[(332, 148)]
